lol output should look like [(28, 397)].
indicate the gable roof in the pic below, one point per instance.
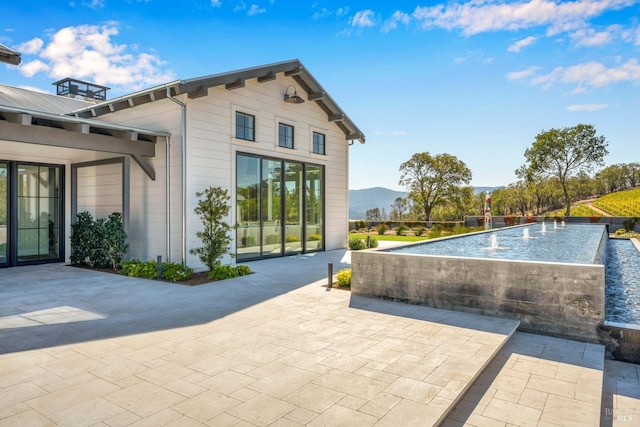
[(11, 96), (9, 56), (198, 87)]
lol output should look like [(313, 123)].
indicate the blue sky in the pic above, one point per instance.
[(475, 79)]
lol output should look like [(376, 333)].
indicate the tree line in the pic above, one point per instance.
[(560, 167)]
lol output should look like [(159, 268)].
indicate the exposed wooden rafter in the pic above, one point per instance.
[(238, 83)]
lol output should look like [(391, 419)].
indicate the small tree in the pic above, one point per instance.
[(213, 207), (114, 240)]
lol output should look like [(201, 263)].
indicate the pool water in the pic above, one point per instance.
[(622, 282), (572, 243)]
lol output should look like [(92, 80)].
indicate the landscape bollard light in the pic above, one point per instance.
[(159, 261), (330, 277)]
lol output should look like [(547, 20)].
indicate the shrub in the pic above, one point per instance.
[(508, 221), (400, 230), (271, 239), (419, 231), (344, 277), (360, 224), (530, 219), (243, 270), (373, 242), (247, 241), (356, 244), (292, 239), (213, 207), (175, 272), (382, 228), (621, 231), (221, 272), (314, 237), (137, 268), (98, 243), (480, 221), (516, 220)]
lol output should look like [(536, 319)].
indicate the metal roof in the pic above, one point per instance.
[(198, 87), (38, 101), (9, 56)]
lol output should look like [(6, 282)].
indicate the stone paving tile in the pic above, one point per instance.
[(518, 388)]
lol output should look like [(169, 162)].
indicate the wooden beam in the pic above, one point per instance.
[(55, 137), (336, 117), (77, 127), (293, 72), (146, 167), (19, 118), (238, 83), (267, 77), (199, 92), (314, 96)]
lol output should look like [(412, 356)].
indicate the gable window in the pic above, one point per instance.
[(285, 136), (245, 126), (318, 143)]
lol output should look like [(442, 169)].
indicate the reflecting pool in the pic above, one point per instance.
[(622, 282)]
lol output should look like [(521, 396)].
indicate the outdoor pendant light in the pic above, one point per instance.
[(292, 99)]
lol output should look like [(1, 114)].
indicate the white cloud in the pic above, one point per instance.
[(32, 68), (363, 18), (517, 46), (587, 107), (87, 52), (523, 74), (94, 4), (31, 47), (324, 12), (392, 23), (590, 37), (479, 16), (593, 74), (256, 10), (216, 3)]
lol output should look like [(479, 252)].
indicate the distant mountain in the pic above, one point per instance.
[(362, 200), (382, 198)]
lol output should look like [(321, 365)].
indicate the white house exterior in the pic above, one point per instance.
[(284, 164)]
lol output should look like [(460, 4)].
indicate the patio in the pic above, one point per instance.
[(82, 348)]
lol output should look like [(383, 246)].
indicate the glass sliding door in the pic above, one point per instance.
[(279, 207), (314, 208), (38, 215), (293, 207), (248, 208), (270, 204), (4, 198)]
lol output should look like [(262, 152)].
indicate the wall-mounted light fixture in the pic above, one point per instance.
[(292, 99)]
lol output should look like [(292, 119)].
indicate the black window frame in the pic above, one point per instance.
[(244, 132), (316, 144), (284, 140)]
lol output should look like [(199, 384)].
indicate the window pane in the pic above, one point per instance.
[(4, 170), (270, 204), (318, 143), (285, 135), (247, 207), (293, 188), (245, 126), (314, 209)]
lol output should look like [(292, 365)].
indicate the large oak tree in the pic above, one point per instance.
[(564, 153), (433, 180)]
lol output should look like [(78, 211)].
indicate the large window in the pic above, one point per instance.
[(279, 207), (318, 143), (245, 126), (38, 212), (285, 136), (4, 194)]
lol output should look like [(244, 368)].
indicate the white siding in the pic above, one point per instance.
[(100, 190), (210, 159)]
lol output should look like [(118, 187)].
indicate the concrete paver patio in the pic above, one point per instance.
[(275, 348)]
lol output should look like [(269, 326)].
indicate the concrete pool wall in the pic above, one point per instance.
[(558, 299)]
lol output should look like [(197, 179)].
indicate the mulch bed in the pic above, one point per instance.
[(197, 278)]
